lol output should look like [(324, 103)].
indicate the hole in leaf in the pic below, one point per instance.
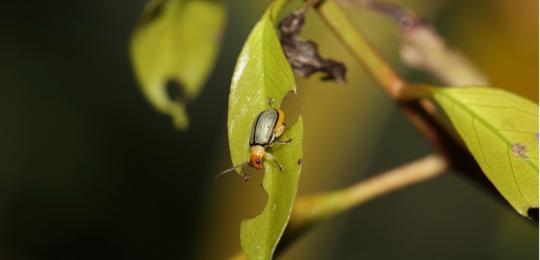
[(175, 91), (291, 108)]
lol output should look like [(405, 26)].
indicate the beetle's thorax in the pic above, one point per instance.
[(256, 156)]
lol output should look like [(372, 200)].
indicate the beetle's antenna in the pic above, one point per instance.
[(230, 169)]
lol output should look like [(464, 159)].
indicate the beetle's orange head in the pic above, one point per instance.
[(256, 156)]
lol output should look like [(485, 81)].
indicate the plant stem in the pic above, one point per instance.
[(420, 114), (316, 208), (412, 92), (423, 48), (343, 27)]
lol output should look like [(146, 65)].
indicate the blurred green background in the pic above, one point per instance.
[(88, 170)]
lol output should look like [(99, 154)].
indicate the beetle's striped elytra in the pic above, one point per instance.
[(268, 125)]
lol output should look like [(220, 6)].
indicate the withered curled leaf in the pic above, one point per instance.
[(303, 55)]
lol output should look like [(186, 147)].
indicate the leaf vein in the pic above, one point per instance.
[(486, 124), (514, 176), (501, 107)]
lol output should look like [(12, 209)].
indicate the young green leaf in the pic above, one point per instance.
[(259, 236), (262, 74), (176, 41), (500, 129)]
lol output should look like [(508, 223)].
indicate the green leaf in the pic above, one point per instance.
[(176, 40), (500, 129), (260, 235), (263, 73)]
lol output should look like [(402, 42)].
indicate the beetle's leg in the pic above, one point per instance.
[(279, 142), (270, 157), (279, 130)]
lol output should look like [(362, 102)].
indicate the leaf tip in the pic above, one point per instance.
[(179, 116)]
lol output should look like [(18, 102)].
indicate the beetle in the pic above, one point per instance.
[(267, 127)]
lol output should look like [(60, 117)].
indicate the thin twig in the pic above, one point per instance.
[(345, 30), (314, 209), (423, 48), (309, 4), (397, 88), (421, 113)]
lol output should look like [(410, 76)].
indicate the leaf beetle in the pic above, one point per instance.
[(267, 127)]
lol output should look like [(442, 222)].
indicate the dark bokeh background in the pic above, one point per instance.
[(88, 170)]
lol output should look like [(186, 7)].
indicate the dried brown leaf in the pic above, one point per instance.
[(303, 55)]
